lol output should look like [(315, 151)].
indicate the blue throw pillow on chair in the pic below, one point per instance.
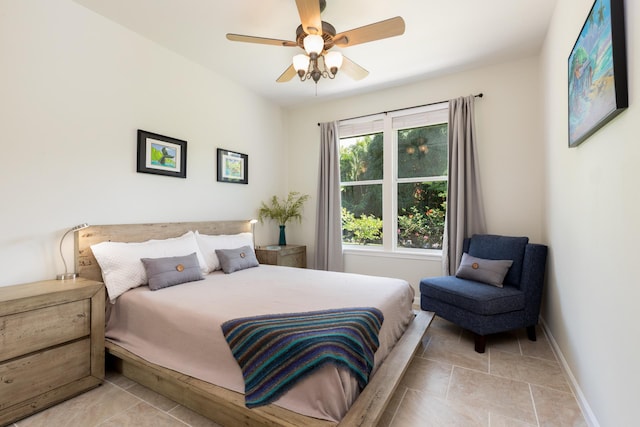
[(490, 246)]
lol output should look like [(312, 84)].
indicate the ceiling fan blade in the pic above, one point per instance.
[(309, 11), (260, 40), (288, 74), (380, 30), (352, 69)]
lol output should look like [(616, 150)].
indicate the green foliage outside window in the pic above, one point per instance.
[(420, 229), (367, 229), (361, 160), (421, 213), (421, 156), (422, 152)]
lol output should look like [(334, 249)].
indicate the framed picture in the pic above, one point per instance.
[(597, 71), (161, 155), (233, 167)]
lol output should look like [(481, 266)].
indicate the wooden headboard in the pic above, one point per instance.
[(86, 264)]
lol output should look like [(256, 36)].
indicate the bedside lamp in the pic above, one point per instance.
[(253, 231), (67, 275)]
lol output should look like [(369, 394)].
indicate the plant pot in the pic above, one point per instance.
[(283, 239)]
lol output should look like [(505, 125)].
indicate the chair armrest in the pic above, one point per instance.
[(532, 280)]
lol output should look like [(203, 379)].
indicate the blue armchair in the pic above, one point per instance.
[(486, 309)]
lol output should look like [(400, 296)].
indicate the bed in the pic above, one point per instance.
[(218, 392)]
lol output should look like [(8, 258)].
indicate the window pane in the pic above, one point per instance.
[(421, 214), (362, 214), (422, 152), (361, 158)]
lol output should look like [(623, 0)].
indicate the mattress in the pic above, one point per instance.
[(179, 327)]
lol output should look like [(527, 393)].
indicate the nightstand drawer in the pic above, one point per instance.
[(23, 333), (27, 377), (51, 344), (294, 260)]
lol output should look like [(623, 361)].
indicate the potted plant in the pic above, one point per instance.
[(283, 210)]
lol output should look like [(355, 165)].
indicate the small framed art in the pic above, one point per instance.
[(233, 167), (161, 155), (597, 71)]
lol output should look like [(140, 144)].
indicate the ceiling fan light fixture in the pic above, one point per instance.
[(313, 44), (317, 37), (301, 63), (315, 67), (333, 61)]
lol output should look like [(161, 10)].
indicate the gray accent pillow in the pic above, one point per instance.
[(490, 271), (236, 259), (171, 271)]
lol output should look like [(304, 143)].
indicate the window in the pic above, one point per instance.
[(393, 173)]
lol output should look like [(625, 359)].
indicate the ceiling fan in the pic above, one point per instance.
[(317, 37)]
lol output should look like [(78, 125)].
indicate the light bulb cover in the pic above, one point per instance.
[(301, 62), (313, 43), (333, 59)]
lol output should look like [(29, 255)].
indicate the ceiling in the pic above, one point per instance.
[(441, 36)]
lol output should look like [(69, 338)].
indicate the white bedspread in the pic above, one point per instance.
[(179, 327)]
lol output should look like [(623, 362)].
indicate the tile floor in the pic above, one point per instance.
[(515, 383)]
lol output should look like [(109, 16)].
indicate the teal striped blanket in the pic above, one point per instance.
[(276, 351)]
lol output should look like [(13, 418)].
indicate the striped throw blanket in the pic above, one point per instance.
[(275, 351)]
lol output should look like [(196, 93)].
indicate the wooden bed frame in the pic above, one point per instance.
[(217, 403)]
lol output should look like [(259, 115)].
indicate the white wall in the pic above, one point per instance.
[(74, 89), (592, 214), (510, 151)]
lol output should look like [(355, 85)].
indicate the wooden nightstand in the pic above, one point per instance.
[(289, 255), (51, 344)]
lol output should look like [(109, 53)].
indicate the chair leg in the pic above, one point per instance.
[(481, 342), (531, 332)]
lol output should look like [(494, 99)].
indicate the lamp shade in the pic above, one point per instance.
[(301, 62), (333, 59), (313, 43)]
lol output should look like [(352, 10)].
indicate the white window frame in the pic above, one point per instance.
[(389, 124)]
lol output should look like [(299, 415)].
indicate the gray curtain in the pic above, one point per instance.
[(328, 253), (465, 210)]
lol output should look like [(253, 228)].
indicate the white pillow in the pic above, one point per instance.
[(208, 245), (121, 266)]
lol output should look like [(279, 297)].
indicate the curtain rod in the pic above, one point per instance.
[(480, 95)]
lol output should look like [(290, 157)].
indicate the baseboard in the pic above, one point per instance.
[(588, 414)]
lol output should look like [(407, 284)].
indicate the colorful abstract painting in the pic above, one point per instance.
[(161, 155), (597, 71), (233, 167)]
